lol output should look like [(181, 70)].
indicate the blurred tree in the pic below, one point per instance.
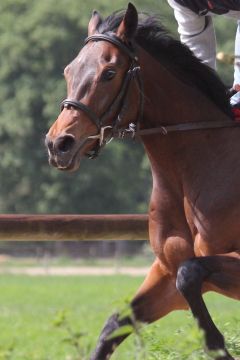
[(37, 40), (225, 36)]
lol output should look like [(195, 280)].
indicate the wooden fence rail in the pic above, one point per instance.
[(73, 227)]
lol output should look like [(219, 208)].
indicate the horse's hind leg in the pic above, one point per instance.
[(218, 273), (156, 297)]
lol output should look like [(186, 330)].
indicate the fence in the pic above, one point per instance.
[(73, 227)]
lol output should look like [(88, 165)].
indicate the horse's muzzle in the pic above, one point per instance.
[(61, 145), (61, 151)]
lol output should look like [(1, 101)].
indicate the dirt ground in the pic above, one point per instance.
[(74, 271)]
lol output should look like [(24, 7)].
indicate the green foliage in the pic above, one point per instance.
[(73, 337), (225, 35), (33, 324), (6, 353), (37, 40)]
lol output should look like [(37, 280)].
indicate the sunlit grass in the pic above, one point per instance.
[(29, 306)]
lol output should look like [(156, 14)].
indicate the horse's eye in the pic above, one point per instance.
[(108, 75)]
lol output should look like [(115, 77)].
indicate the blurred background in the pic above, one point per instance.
[(60, 317), (37, 40)]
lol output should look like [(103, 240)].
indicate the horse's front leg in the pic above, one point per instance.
[(218, 273), (156, 298)]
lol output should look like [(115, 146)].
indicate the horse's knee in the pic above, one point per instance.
[(190, 276)]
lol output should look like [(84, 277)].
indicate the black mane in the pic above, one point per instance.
[(154, 38)]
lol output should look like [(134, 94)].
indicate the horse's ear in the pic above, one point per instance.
[(94, 22), (128, 26)]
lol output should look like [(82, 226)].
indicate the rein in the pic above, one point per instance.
[(165, 130), (120, 101)]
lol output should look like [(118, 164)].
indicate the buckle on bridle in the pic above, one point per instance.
[(101, 136), (130, 132)]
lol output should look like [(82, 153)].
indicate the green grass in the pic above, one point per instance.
[(28, 307)]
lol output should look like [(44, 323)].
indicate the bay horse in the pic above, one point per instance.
[(132, 79)]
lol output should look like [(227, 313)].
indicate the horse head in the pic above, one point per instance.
[(100, 96)]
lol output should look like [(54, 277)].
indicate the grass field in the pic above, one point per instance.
[(29, 308)]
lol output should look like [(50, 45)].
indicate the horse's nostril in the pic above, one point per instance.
[(49, 144), (64, 144)]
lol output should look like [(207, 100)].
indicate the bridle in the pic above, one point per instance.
[(120, 105)]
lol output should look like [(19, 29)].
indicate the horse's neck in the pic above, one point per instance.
[(170, 101)]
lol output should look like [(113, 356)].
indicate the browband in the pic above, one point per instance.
[(114, 40)]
